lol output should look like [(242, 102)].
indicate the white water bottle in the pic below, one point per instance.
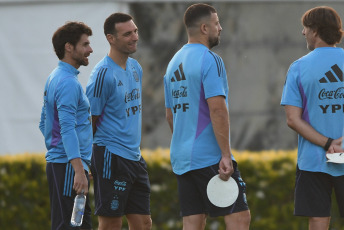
[(78, 210)]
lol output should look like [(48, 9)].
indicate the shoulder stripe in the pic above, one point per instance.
[(218, 63), (221, 67), (101, 87), (99, 82)]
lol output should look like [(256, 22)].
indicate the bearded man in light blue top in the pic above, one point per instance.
[(196, 100), (66, 126), (313, 97), (121, 182)]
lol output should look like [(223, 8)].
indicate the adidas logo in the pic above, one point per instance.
[(120, 83), (330, 78), (178, 74)]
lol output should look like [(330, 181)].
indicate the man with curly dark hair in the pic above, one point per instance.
[(66, 126)]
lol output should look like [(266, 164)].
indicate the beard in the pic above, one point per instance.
[(81, 60), (84, 62), (213, 41)]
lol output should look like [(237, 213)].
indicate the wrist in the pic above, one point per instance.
[(328, 143), (77, 166)]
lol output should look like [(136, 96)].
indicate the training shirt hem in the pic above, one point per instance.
[(320, 171), (292, 104), (120, 152), (181, 172), (61, 161), (215, 95)]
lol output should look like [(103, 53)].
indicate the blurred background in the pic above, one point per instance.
[(260, 39)]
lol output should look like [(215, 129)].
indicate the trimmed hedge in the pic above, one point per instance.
[(269, 176)]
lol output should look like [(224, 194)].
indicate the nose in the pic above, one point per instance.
[(90, 50), (303, 32), (136, 37)]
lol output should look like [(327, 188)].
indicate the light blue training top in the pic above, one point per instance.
[(315, 84), (193, 75), (65, 118), (115, 95)]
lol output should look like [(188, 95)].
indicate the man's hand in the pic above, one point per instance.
[(226, 168), (80, 180), (336, 146), (80, 183)]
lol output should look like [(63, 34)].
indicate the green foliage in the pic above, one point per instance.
[(164, 198), (24, 196), (269, 176)]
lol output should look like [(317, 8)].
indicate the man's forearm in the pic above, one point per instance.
[(220, 122), (77, 165), (169, 118), (295, 122), (94, 124)]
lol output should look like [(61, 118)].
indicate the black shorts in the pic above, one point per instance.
[(313, 192), (121, 186), (61, 179), (192, 189)]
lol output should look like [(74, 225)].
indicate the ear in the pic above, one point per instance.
[(110, 38), (204, 29), (313, 31), (68, 47)]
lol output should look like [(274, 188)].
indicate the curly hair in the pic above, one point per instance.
[(71, 33)]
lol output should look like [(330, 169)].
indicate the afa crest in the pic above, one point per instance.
[(114, 204), (136, 76)]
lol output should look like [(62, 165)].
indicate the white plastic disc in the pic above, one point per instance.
[(222, 193), (335, 158)]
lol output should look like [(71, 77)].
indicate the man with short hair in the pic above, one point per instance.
[(196, 99), (121, 182), (314, 109), (66, 126)]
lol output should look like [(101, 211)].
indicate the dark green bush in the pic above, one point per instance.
[(269, 176)]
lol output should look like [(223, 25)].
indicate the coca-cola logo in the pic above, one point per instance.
[(120, 183), (133, 95), (331, 94), (182, 92)]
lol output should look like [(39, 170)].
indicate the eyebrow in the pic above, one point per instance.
[(130, 31)]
